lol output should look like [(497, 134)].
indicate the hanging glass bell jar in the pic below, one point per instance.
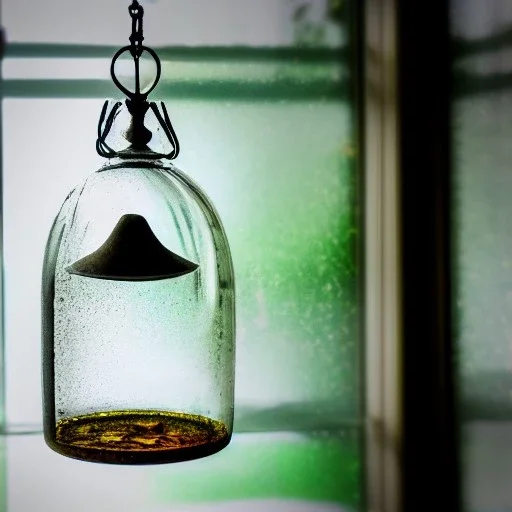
[(138, 300)]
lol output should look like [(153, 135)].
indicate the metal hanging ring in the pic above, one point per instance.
[(122, 88)]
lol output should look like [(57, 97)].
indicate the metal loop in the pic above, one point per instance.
[(105, 125), (124, 90), (102, 147), (166, 125), (135, 8)]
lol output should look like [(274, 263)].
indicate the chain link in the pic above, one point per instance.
[(137, 13), (136, 103)]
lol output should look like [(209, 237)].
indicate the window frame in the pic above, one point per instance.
[(430, 403), (409, 395), (412, 425), (383, 336)]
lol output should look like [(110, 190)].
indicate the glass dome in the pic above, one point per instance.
[(138, 319)]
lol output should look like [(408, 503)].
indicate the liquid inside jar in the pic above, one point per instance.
[(139, 437)]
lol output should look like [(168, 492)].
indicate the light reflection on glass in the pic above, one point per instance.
[(483, 246)]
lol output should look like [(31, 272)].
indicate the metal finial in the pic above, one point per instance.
[(137, 135)]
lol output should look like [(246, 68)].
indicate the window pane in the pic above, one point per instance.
[(282, 180), (483, 248), (180, 22), (41, 143), (270, 135), (270, 472), (268, 74)]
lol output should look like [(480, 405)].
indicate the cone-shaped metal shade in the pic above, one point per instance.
[(132, 253)]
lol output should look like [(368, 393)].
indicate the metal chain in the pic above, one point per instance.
[(137, 13), (137, 103)]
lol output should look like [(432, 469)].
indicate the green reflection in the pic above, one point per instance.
[(293, 234), (315, 469)]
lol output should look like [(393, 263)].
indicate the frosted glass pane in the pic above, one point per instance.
[(483, 246), (483, 249), (41, 144), (180, 22), (206, 74), (278, 478), (262, 72), (282, 178), (281, 172)]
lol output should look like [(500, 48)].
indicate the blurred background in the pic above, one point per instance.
[(263, 98), (482, 247)]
